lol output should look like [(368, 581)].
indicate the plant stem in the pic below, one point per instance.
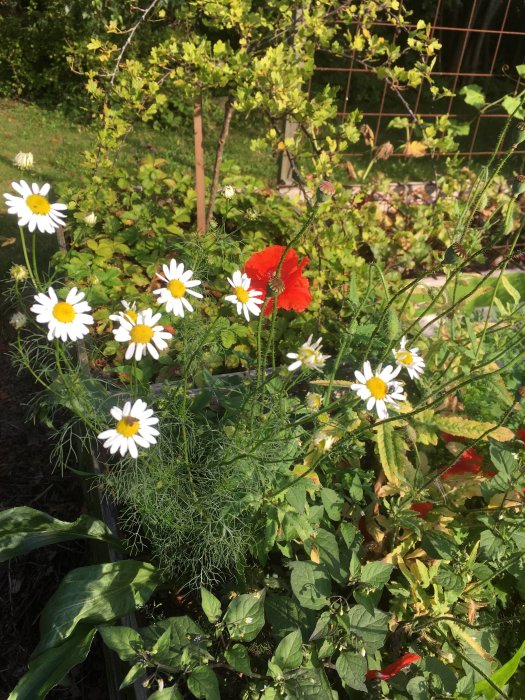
[(26, 258)]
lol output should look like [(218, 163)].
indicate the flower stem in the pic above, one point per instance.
[(26, 258)]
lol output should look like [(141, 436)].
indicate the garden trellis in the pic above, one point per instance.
[(481, 50)]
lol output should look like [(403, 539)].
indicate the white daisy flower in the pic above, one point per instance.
[(33, 208), (24, 161), (314, 401), (410, 359), (178, 283), (65, 319), (130, 312), (18, 320), (379, 388), (133, 429), (143, 335), (245, 298), (308, 356)]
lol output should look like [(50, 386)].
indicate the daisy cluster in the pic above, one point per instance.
[(273, 276)]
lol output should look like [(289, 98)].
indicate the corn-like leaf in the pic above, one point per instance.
[(472, 429), (392, 450)]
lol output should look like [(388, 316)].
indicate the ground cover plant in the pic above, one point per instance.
[(345, 519)]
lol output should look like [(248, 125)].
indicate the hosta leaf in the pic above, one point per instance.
[(95, 594), (24, 529), (472, 429), (47, 669)]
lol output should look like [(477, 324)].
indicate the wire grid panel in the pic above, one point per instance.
[(482, 49)]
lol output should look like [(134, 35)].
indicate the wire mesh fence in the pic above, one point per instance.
[(482, 42)]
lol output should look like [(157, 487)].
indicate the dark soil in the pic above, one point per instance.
[(27, 479)]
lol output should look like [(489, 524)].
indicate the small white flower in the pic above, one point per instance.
[(133, 428), (314, 401), (228, 192), (24, 161), (143, 335), (308, 356), (18, 320), (244, 298), (410, 359), (90, 219), (19, 272), (248, 620), (33, 208), (130, 312), (178, 283), (65, 319), (379, 388), (324, 439)]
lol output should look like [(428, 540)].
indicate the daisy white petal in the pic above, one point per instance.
[(131, 430), (309, 356), (33, 207), (378, 388), (64, 318)]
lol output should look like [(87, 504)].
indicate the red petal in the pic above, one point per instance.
[(520, 434), (470, 462), (423, 509), (393, 669)]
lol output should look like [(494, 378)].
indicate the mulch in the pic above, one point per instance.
[(27, 478)]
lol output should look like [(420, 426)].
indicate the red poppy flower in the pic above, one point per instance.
[(295, 294), (423, 509), (393, 669), (520, 434), (470, 462)]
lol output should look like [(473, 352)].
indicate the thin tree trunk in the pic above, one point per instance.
[(229, 110), (199, 164)]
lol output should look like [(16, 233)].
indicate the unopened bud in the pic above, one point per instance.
[(19, 272), (90, 219), (24, 161), (18, 320), (384, 151), (518, 185)]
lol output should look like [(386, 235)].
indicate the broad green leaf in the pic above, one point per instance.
[(211, 605), (289, 652), (24, 529), (328, 554), (332, 503), (311, 584), (506, 466), (418, 688), (472, 429), (239, 659), (135, 672), (500, 677), (47, 669), (169, 638), (512, 104), (437, 545), (95, 594), (203, 683), (376, 573), (126, 642), (245, 616), (166, 694), (371, 628), (285, 615), (352, 670), (448, 579), (473, 95), (309, 684), (520, 70)]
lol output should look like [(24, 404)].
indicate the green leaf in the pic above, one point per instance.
[(448, 579), (327, 548), (24, 529), (202, 683), (418, 688), (473, 95), (392, 449), (285, 615), (506, 466), (371, 628), (95, 594), (289, 652), (245, 616), (239, 659), (376, 573), (47, 669), (311, 584), (309, 684), (332, 503), (501, 676), (135, 672), (512, 105), (472, 429), (166, 694), (520, 70), (126, 642), (211, 605), (437, 545), (352, 670)]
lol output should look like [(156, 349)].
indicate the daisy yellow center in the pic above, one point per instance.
[(176, 288), (141, 333), (132, 315), (64, 312), (405, 357), (38, 204), (128, 426), (242, 294), (377, 387)]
